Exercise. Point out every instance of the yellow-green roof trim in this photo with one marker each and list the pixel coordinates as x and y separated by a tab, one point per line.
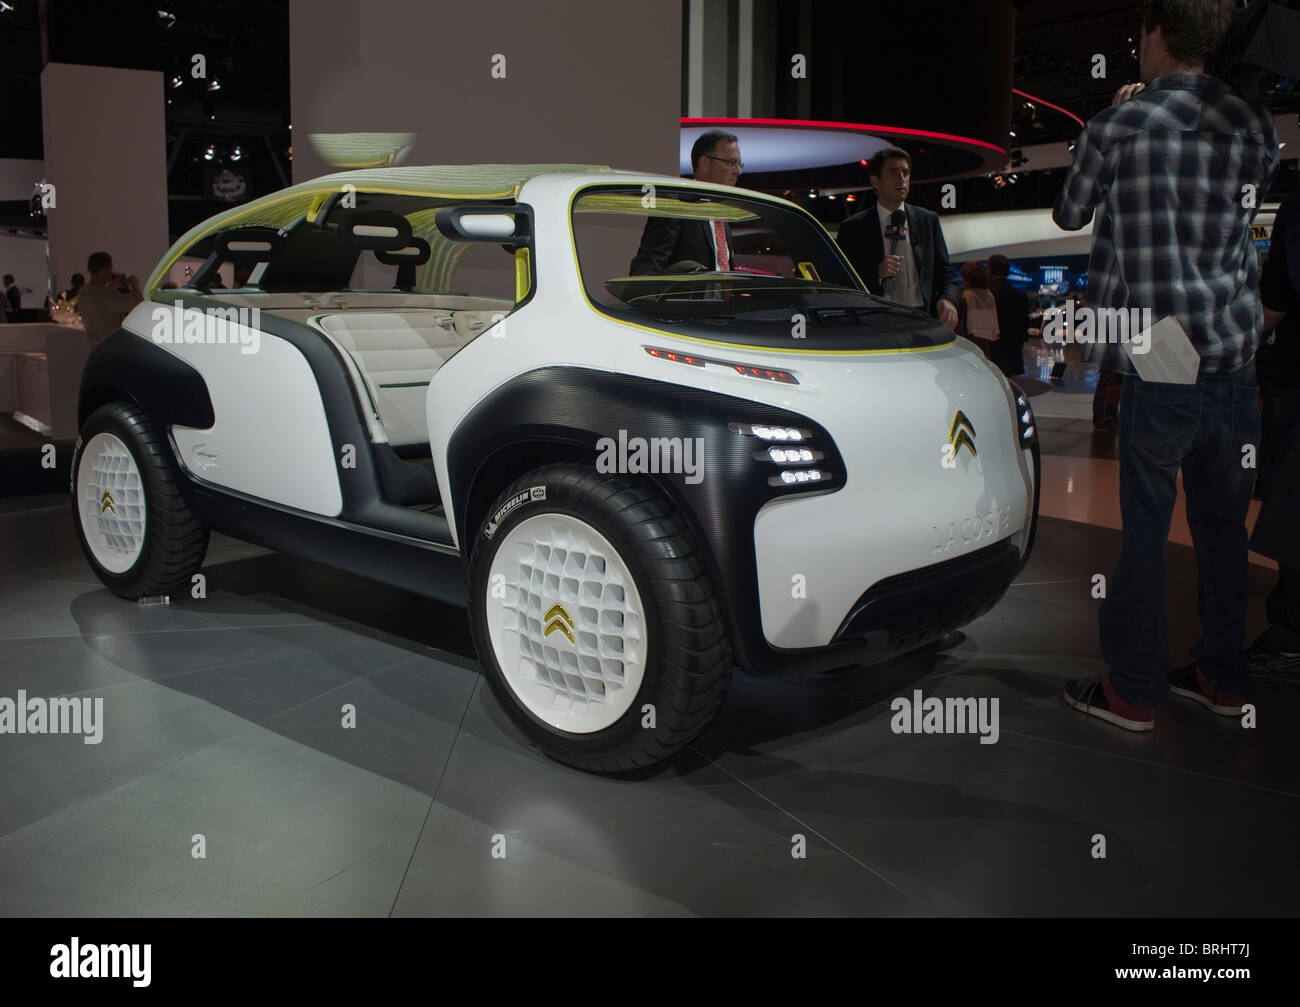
279	209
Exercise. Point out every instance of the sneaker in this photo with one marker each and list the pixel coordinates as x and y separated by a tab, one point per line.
1095	697
1190	681
1276	664
1267	660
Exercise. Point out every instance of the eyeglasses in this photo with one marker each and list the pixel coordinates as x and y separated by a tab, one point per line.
730	162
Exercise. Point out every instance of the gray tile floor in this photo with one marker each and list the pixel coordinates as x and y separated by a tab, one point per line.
222	719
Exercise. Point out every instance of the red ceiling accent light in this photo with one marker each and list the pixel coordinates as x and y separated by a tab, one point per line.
1047	104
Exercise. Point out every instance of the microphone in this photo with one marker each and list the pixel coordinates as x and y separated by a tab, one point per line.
895	240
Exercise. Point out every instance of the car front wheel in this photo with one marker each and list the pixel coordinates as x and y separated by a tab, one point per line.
595	619
136	529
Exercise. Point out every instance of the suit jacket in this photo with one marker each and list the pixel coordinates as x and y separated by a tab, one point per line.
667	240
864	246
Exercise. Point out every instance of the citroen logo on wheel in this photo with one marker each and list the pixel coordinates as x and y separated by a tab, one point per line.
962	434
106	502
559	621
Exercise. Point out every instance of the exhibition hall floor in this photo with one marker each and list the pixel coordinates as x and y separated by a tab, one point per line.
222	720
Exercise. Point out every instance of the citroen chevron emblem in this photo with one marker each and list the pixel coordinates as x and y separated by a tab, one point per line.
106	502
963	430
558	620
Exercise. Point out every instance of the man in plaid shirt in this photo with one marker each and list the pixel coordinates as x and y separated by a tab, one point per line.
1174	171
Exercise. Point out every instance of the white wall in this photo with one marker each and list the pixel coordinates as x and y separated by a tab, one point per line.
104	153
587	82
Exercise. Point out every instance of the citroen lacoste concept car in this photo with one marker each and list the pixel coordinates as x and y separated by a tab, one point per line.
508	387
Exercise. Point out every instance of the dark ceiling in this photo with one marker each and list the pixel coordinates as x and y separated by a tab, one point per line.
246	43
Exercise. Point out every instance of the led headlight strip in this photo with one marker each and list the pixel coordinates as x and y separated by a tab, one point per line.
1025	419
787	446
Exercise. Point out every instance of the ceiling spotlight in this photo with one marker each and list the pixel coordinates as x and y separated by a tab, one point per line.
237	153
214	84
5	8
830	195
1013	133
850	198
210	153
166	19
812	193
177	80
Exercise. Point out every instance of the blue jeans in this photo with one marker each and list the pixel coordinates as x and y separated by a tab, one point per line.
1204	428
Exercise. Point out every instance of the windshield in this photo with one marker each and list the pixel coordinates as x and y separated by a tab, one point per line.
729	267
676	252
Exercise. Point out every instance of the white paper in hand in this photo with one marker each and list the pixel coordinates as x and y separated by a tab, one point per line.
1170	358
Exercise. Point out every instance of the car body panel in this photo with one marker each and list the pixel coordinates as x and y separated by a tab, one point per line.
796	567
272	389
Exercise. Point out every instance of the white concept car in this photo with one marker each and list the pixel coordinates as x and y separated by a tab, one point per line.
523	389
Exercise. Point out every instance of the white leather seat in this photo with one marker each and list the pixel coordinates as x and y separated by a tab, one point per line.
398	352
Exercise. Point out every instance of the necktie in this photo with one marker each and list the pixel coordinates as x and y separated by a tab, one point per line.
724	253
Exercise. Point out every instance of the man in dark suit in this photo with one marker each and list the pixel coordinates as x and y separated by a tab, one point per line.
672	244
914	269
1007	351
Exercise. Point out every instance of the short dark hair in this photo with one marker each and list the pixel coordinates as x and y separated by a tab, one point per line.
78	278
97	261
707	143
973	275
1192	29
876	166
999	265
9	278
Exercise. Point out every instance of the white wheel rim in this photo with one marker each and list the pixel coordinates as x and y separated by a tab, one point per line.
110	503
554	576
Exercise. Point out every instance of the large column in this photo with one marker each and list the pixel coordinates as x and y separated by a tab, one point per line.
104	154
510	81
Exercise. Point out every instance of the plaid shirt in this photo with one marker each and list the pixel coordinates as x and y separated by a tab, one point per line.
1166	171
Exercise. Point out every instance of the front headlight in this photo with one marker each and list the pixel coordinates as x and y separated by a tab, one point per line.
787	448
1025	421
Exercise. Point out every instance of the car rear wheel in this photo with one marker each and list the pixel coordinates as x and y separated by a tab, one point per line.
135	528
595	620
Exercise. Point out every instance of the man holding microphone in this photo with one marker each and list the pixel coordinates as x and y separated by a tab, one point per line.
898	249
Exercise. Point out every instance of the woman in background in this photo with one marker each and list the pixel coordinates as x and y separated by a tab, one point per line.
977	309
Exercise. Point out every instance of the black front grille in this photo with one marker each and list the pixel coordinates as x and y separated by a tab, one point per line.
912	609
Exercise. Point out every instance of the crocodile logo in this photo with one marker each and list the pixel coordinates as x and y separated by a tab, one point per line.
559	621
106	502
962	434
